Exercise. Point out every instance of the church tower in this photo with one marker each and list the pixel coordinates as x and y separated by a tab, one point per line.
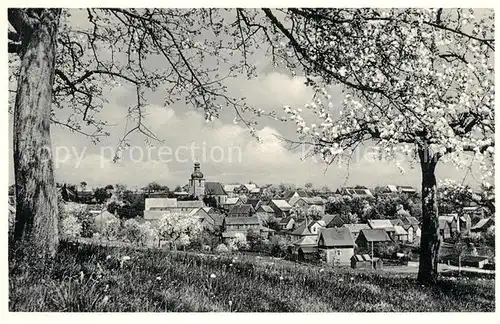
197	182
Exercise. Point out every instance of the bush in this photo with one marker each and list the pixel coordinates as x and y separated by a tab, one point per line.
108	227
70	227
221	248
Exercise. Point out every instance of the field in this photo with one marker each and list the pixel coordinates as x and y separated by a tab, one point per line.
86	278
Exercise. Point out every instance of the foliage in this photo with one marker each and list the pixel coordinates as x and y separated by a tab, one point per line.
113	207
70	227
108	227
101	195
239	242
89	278
178	228
315	212
221	248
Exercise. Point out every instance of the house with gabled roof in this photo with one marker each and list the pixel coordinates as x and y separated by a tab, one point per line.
384	224
293	195
307	228
304	203
355	229
231	190
287	223
367	237
305	247
412	226
354	192
390	189
483	225
336	246
255	202
449	225
280	207
407	189
230	202
156	208
243	210
241	224
400	234
336	220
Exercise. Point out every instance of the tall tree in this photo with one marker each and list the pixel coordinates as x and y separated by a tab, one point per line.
36	199
418	82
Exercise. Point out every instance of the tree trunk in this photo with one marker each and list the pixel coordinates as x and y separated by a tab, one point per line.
36	195
430	239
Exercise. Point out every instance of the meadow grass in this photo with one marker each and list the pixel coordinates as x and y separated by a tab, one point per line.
86	278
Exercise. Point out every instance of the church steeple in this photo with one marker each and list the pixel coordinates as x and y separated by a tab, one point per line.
197	182
197	173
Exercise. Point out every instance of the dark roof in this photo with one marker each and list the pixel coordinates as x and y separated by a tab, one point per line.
266	208
253	202
242	220
375	235
396	221
285	220
410	220
335	220
302	229
335	237
242	209
300	192
214	188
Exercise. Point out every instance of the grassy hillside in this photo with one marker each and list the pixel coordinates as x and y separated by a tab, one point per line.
94	278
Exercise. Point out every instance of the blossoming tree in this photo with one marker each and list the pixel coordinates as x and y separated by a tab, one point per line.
178	228
417	82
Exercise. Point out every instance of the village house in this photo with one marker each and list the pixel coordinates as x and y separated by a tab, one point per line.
407	189
390	189
231	190
336	246
368	238
448	225
384	224
333	221
400	234
230	202
475	212
465	223
246	189
355	229
243	210
483	225
156	208
280	207
241	224
411	225
307	228
255	193
293	195
306	247
287	224
209	220
255	202
355	192
304	203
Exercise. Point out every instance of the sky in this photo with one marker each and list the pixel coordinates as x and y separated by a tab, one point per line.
227	152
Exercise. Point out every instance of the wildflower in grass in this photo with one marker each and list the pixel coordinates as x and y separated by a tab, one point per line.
125	258
158	278
82	276
213	276
321	270
281	278
341	280
352	278
105	300
230	264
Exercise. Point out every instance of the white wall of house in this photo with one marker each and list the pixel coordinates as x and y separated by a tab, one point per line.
338	256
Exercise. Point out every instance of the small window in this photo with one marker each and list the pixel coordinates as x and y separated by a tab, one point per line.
338	252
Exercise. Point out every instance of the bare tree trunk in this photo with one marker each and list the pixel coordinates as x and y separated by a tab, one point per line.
36	195
430	239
